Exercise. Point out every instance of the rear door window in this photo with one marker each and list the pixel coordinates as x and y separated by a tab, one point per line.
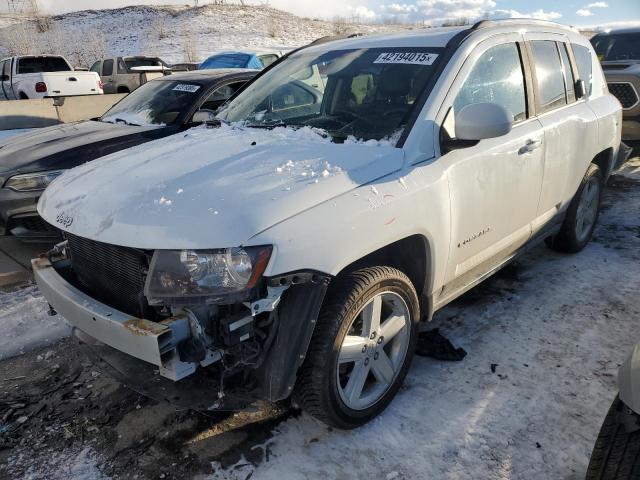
583	60
122	67
496	77
549	75
107	68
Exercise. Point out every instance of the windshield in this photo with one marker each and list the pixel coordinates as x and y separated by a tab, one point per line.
157	102
618	46
229	60
365	93
42	65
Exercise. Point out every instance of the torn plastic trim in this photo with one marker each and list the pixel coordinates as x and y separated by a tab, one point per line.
152	342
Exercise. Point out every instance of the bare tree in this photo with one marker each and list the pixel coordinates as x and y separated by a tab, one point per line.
159	26
340	25
189	48
18	39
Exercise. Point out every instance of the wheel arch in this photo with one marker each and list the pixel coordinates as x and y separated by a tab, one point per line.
412	256
604	161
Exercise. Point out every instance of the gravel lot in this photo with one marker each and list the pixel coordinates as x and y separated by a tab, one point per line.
554	327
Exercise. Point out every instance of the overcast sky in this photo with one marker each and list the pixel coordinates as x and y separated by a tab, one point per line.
573	12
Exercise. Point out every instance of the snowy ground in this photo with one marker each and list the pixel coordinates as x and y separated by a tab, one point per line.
556	327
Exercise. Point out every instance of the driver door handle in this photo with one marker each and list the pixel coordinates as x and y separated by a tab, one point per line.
530	146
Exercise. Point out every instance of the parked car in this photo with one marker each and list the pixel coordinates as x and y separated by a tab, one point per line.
294	249
619	53
158	109
33	77
125	74
184	67
253	60
615	453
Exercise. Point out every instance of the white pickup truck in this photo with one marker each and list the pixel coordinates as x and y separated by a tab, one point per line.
30	77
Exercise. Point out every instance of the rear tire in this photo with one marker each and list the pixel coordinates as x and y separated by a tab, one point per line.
352	372
582	214
616	454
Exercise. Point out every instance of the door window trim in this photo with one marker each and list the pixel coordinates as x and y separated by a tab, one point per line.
555	38
454	90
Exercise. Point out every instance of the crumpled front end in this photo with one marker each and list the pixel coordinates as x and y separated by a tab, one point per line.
218	353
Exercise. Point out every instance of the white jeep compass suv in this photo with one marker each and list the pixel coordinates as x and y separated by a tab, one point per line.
349	191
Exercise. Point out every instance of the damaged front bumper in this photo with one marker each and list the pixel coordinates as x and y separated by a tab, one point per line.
145	355
151	342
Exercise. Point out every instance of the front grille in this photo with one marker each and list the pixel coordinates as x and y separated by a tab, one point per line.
625	93
33	223
112	274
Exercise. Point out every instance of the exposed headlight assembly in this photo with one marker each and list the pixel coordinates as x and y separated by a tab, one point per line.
31	182
205	273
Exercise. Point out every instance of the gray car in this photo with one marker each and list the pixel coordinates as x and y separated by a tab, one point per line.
125	74
619	53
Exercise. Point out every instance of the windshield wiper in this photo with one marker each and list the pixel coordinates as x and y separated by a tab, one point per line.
267	126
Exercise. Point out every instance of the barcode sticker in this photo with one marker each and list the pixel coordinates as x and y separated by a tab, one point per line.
184	87
407	58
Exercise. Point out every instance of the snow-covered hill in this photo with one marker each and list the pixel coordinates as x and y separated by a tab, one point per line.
176	32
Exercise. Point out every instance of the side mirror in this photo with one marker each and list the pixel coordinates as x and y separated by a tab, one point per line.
4	78
478	121
204	116
581	89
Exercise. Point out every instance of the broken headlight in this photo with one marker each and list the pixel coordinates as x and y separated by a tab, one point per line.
200	273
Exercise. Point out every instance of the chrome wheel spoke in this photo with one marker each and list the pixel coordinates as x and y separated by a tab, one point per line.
357	379
391	327
353	349
382	368
371	316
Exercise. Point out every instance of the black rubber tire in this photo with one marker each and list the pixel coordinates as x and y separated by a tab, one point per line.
616	454
316	391
566	240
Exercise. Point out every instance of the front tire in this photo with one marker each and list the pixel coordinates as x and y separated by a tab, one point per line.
582	214
361	348
616	454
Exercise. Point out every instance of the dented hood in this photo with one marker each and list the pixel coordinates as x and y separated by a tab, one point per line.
209	188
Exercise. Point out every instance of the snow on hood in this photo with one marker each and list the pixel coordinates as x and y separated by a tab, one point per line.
209	188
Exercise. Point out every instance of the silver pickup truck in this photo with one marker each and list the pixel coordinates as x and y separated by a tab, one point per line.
619	54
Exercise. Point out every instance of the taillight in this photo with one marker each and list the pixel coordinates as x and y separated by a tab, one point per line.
41	87
100	85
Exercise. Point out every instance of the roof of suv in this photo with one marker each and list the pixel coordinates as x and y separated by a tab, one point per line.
440	36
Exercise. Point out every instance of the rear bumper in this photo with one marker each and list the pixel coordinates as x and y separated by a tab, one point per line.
151	342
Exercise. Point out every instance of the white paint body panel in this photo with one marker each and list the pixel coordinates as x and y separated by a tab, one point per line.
214	189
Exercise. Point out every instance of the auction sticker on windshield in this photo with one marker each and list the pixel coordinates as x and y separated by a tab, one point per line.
184	87
410	58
